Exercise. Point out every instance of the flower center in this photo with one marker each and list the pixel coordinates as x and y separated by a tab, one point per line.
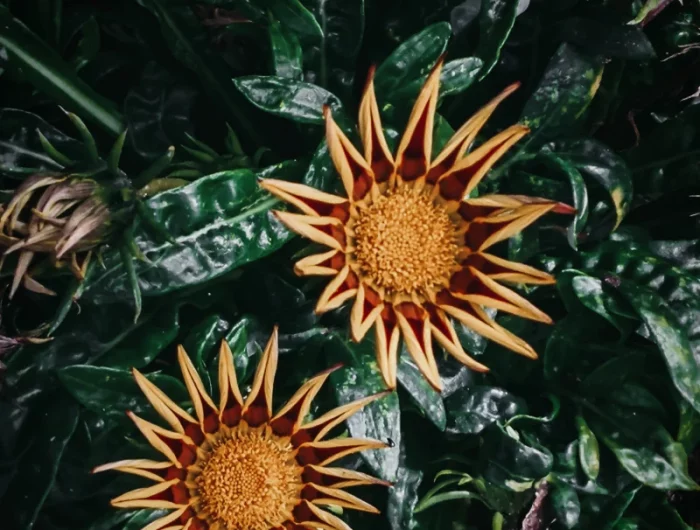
249	480
405	242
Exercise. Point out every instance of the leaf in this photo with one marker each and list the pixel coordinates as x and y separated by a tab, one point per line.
294	100
403	498
188	41
333	61
53	427
380	420
588	450
596	161
598	37
565	503
46	70
158	112
20	145
286	52
428	400
296	17
646	9
471	410
569	84
411	60
218	223
204	338
496	20
456	77
668	335
111	392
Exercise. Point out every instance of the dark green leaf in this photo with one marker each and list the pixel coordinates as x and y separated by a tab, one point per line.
46	70
380	420
588	450
669	337
296	17
472	409
608	40
403	498
428	400
496	20
566	504
286	52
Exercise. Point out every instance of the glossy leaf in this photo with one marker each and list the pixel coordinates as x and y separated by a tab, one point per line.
286	51
566	505
605	39
588	450
380	420
669	337
296	17
46	70
428	400
472	409
218	223
411	60
403	498
496	20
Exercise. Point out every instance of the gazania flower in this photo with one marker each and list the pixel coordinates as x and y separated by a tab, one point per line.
408	244
239	467
67	218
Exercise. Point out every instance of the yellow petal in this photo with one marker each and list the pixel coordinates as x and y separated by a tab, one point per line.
141	498
365	312
338	291
153	432
377	152
165	406
336	497
228	383
387	333
317	229
195	387
309	200
139	467
159	524
443	330
340	477
319	264
324	452
258	406
419	342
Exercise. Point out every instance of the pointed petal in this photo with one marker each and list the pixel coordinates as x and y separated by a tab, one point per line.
25	258
176	447
415	328
415	149
338	291
325	264
166	407
377	151
387	334
230	398
206	411
32	285
489	205
339	477
354	171
314	518
365	311
288	420
470	284
320	427
444	332
156	496
468	172
487	231
258	406
324	452
326	231
472	316
160	524
508	271
464	137
149	469
324	496
309	200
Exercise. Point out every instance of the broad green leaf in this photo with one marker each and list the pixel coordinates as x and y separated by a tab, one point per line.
456	77
295	100
428	400
565	91
332	61
217	223
20	146
295	16
141	347
472	409
588	450
53	425
605	39
566	505
689	426
202	342
286	51
188	41
598	162
380	420
111	392
496	20
48	72
411	60
671	339
403	498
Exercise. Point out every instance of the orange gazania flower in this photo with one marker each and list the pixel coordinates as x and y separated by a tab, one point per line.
407	245
238	466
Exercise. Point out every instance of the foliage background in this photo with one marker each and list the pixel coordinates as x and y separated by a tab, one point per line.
604	427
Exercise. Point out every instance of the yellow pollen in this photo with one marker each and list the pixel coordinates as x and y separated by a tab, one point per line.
249	480
405	243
